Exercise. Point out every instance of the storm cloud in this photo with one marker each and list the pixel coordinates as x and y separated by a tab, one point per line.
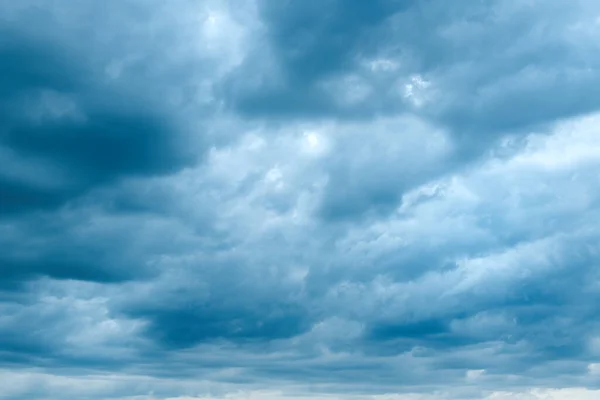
393	200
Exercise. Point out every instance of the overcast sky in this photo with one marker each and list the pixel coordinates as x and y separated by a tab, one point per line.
299	199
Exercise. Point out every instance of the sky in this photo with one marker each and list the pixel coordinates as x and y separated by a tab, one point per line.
299	199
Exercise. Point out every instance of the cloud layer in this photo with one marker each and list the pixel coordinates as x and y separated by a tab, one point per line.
299	199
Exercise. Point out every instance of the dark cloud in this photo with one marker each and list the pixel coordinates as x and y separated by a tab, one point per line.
62	119
483	63
315	39
70	129
471	69
311	41
87	249
180	328
308	42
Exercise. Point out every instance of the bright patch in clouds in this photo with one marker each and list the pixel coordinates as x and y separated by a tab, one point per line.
314	143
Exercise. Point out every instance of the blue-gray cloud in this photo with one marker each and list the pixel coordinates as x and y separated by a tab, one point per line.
314	198
76	135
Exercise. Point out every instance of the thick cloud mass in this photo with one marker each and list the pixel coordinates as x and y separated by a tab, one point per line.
385	200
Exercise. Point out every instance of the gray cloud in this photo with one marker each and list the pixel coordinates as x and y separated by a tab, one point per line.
314	199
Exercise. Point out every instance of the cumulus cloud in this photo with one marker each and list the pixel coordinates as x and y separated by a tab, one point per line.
319	199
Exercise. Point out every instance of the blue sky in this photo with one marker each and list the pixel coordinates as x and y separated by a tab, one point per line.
317	199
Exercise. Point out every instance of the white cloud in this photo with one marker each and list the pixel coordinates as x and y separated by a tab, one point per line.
547	394
474	374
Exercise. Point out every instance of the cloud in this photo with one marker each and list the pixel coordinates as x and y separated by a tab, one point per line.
78	109
326	200
472	68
